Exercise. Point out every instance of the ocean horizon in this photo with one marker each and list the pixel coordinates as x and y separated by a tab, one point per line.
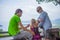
4	27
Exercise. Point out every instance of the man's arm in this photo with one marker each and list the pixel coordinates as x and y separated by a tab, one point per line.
42	17
40	20
20	24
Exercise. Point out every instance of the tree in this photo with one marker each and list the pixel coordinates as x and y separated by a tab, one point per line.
40	1
55	2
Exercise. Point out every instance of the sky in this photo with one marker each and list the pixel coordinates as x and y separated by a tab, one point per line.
8	7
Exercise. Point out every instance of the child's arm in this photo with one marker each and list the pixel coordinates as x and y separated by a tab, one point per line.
31	29
27	26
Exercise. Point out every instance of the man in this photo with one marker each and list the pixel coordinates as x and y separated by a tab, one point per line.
44	21
14	29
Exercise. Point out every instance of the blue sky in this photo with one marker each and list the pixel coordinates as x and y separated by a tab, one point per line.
8	7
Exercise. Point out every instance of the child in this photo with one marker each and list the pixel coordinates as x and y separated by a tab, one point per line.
34	28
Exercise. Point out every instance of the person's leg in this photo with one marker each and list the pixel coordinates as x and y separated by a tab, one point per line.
47	36
23	34
28	35
19	36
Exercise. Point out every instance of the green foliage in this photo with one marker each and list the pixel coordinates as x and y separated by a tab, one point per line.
55	2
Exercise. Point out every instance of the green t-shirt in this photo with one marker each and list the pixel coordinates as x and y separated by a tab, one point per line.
13	28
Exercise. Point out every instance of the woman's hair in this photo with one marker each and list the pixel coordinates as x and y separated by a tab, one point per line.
18	10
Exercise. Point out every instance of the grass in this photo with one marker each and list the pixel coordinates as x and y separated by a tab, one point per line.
1	35
4	35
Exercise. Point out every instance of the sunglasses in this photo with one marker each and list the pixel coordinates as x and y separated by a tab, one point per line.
37	10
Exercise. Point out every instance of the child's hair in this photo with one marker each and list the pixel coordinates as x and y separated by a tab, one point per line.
33	21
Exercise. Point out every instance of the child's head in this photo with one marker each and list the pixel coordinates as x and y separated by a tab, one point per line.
33	21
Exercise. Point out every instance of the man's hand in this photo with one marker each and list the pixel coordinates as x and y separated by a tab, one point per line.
40	20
